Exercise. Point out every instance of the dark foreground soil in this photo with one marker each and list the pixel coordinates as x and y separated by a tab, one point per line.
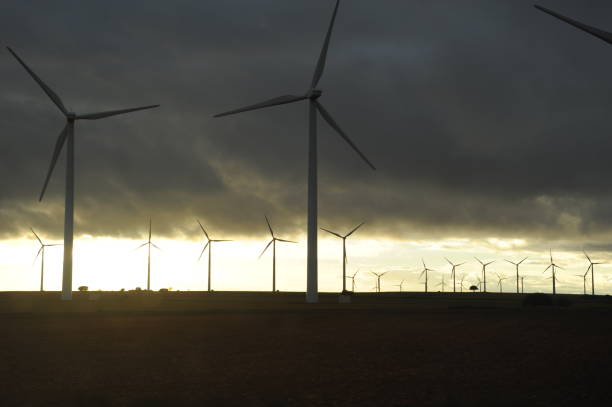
396	356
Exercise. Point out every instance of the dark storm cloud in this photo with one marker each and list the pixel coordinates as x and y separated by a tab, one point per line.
484	118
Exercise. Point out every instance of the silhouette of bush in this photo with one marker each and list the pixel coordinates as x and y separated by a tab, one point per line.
537	300
83	288
473	288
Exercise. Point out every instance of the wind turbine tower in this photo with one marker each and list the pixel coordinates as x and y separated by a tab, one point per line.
517	272
273	243
41	251
148	243
484	273
344	258
425	273
209	245
67	135
592	268
554	274
453	274
312	95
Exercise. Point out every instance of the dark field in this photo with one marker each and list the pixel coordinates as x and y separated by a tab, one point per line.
174	349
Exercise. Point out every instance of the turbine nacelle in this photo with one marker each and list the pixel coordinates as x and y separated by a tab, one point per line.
314	94
71	116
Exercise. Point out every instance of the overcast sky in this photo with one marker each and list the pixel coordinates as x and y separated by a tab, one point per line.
484	118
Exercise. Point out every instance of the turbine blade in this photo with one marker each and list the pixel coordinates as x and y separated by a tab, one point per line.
61	139
52	95
37	254
587	256
353	231
269	227
546	269
602	35
286	241
203	250
42	244
102	115
333	233
142	245
342	134
264	250
479	260
449	262
203	230
222	240
154	245
523	260
323	56
281	100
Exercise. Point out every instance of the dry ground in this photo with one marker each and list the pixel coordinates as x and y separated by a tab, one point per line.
396	351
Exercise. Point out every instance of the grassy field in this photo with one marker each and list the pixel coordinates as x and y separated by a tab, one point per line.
271	349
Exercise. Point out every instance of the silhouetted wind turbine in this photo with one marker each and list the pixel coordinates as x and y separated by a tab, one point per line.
42	259
378	276
208	244
353	280
583	277
484	273
500	280
479	283
554	278
517	272
273	243
148	243
425	272
602	35
400	285
441	283
454	266
312	95
461	282
592	267
344	258
522	284
67	134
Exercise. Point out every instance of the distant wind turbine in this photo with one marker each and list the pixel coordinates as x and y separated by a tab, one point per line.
400	285
378	276
148	243
208	245
592	267
522	284
312	95
584	279
461	282
273	243
42	258
554	275
344	258
67	134
484	273
454	266
517	272
441	283
500	281
353	280
425	272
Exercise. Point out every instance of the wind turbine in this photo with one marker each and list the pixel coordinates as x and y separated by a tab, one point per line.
479	283
517	272
500	280
312	95
273	243
602	35
425	272
484	273
454	266
400	285
461	282
148	243
67	134
208	244
441	283
378	276
353	280
42	259
554	275
344	258
583	277
592	267
522	284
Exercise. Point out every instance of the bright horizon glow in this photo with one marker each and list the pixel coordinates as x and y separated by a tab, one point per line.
109	264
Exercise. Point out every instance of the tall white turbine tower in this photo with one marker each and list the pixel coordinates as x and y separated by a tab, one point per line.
517	272
149	244
315	108
344	258
484	273
67	135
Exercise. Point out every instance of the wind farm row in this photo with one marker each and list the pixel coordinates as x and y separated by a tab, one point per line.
448	277
312	95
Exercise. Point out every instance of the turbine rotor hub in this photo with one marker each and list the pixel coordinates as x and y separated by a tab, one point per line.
71	116
314	94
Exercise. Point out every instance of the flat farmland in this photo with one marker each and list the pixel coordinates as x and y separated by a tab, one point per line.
263	349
